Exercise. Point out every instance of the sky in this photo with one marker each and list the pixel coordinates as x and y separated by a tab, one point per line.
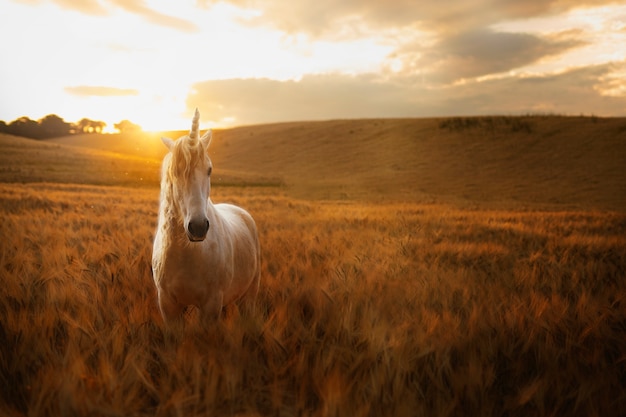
257	61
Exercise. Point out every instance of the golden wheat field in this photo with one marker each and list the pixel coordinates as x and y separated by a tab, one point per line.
364	310
464	266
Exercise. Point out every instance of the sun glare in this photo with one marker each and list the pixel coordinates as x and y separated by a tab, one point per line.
159	124
109	129
160	63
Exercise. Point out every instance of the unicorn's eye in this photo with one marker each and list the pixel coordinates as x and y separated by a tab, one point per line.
209	171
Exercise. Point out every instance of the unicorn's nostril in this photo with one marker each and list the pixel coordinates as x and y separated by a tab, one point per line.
197	229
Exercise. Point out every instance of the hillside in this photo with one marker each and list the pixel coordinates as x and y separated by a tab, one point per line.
528	160
96	159
535	160
142	144
29	160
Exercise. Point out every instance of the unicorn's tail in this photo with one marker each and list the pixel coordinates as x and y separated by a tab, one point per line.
195	123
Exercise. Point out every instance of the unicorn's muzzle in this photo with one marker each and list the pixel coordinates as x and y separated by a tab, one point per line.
197	229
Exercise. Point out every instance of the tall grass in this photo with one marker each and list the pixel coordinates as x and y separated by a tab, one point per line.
513	124
364	310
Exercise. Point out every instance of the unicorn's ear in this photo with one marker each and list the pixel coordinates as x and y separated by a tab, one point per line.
168	142
206	138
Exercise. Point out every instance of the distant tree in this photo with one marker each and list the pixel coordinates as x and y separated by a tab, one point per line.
24	126
126	126
98	126
90	126
83	126
53	126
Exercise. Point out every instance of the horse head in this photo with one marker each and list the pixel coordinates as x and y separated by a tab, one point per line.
189	176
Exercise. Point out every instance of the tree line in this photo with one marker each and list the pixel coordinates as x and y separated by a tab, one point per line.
52	126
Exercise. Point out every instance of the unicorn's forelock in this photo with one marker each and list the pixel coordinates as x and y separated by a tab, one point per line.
186	155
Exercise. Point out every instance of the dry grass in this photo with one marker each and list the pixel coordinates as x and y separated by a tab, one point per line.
418	308
364	310
28	160
119	160
539	161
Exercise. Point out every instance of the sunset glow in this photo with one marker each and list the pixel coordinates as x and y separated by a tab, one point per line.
154	61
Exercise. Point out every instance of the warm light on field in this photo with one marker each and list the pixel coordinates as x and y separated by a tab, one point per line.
385	309
471	266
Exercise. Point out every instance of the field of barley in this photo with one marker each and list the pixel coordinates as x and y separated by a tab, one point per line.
427	307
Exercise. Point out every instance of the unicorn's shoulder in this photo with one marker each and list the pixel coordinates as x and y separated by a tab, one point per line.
231	210
237	218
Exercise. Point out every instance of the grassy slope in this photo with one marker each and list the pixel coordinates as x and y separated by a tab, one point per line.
27	160
576	161
142	144
96	159
564	161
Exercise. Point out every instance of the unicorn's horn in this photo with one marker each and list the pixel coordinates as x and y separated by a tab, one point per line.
193	133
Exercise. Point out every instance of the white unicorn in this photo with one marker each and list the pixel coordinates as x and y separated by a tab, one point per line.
204	254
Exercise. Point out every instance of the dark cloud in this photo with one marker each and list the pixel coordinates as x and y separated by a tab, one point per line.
482	52
99	91
333	96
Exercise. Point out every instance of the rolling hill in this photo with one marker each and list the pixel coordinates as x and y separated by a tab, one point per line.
141	144
520	161
574	161
29	160
95	159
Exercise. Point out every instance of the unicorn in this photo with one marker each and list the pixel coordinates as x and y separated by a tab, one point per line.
204	254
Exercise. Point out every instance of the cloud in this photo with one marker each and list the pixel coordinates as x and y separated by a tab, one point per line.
480	52
138	7
333	96
574	91
99	91
92	7
441	44
85	6
326	18
313	97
